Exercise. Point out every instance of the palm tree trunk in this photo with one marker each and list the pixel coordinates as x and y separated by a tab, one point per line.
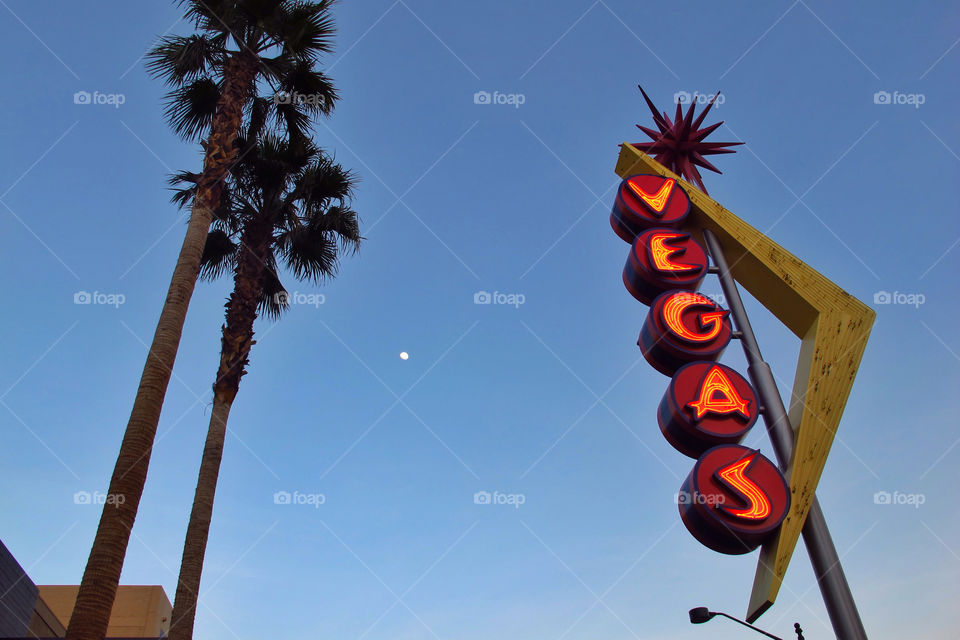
188	585
236	341
98	588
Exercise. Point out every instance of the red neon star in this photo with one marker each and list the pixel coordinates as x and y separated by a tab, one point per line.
679	145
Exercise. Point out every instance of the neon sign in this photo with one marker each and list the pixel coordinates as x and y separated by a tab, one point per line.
706	405
718	395
658	201
737	498
683	327
733	475
708	324
661	260
646	201
734	497
661	254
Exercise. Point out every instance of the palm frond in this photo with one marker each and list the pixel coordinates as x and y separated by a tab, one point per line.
305	29
294	120
344	223
219	253
180	59
184	185
309	89
310	252
273	69
219	16
274	298
324	183
190	109
259	112
273	164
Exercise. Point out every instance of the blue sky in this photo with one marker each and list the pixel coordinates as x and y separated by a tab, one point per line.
551	399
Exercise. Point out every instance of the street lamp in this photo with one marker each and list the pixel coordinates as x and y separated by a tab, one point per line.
699	615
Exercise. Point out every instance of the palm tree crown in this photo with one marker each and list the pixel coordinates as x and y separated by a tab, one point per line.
282	40
296	200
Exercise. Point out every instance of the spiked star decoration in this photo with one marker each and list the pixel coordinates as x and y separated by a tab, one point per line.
679	145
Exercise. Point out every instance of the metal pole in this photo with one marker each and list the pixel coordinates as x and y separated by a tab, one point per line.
823	554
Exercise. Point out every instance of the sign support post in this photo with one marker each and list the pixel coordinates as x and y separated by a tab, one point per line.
823	554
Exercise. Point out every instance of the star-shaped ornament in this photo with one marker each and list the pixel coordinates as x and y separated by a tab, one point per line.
679	144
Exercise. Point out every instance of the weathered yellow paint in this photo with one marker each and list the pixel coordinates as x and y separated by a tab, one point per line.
833	327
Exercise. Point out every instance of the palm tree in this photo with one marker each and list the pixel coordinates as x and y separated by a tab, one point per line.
287	203
214	75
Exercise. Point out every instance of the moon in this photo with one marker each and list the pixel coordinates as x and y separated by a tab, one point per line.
404	355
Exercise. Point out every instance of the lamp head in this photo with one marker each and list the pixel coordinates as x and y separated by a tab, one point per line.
699	615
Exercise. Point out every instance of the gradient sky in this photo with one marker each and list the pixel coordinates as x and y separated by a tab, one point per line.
551	400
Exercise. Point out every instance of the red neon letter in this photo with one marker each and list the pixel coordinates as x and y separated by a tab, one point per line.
711	322
657	201
660	253
718	395
758	505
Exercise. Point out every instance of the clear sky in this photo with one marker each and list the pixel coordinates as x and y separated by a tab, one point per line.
550	400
